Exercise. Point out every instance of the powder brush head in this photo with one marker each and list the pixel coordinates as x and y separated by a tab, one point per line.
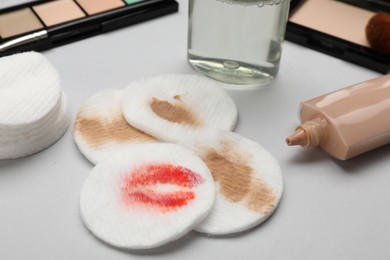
378	33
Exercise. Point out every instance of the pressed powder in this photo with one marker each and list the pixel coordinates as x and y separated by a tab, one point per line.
97	6
334	18
59	11
18	22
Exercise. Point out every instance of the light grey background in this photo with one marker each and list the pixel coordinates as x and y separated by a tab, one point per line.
330	209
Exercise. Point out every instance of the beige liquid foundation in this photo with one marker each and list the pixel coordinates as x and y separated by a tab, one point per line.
346	122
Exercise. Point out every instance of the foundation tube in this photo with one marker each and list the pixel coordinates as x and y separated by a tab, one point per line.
346	122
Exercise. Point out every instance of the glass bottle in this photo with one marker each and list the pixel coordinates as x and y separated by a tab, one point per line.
237	41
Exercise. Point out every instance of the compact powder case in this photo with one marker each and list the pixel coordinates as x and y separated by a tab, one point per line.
337	28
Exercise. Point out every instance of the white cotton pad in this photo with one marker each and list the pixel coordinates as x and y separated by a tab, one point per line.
33	108
100	127
49	133
29	89
248	179
146	195
174	107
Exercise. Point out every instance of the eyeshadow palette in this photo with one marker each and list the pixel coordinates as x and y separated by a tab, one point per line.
41	25
337	28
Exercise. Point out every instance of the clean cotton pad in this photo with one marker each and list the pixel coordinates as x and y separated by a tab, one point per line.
33	109
172	107
146	195
29	89
100	127
46	135
248	179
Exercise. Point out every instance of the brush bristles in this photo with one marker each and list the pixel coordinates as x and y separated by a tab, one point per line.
378	33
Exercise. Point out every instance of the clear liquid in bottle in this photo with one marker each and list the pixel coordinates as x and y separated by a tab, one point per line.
237	42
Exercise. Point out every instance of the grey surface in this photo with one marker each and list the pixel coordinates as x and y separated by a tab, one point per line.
330	209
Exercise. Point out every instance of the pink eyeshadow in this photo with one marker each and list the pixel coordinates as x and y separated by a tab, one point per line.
98	6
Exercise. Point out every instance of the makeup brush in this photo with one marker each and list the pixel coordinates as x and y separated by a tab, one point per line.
378	33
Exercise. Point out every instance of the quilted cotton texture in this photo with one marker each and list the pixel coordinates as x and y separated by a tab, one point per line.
34	110
145	196
248	179
173	107
101	128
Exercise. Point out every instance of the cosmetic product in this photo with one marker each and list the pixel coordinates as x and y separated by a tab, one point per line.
378	32
100	127
237	42
174	107
41	25
248	180
145	196
347	122
338	28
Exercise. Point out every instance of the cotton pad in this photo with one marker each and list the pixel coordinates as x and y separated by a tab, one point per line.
29	89
144	196
100	127
174	107
33	108
43	137
248	179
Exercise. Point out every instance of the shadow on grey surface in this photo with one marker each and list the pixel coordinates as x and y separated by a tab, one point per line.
354	165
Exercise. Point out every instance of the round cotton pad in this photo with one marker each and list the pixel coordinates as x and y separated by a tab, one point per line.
146	195
100	127
248	178
172	107
29	89
41	138
33	108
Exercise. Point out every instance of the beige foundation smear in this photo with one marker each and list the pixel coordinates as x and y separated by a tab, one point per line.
334	18
100	127
174	112
248	179
174	107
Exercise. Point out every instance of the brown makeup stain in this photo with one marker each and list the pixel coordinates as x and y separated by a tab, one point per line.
175	113
260	198
230	167
98	131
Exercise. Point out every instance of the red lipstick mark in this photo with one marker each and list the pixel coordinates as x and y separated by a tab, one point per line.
162	186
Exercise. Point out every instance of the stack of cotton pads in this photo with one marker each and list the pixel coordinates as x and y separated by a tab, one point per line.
167	163
33	108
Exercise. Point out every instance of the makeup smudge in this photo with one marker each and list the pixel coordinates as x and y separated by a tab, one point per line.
175	113
161	186
98	131
230	167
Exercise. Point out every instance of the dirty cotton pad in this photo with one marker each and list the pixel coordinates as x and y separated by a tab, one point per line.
248	179
146	195
173	106
100	127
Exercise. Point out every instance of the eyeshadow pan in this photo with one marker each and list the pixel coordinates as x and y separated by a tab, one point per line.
18	22
98	6
129	2
334	18
59	11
